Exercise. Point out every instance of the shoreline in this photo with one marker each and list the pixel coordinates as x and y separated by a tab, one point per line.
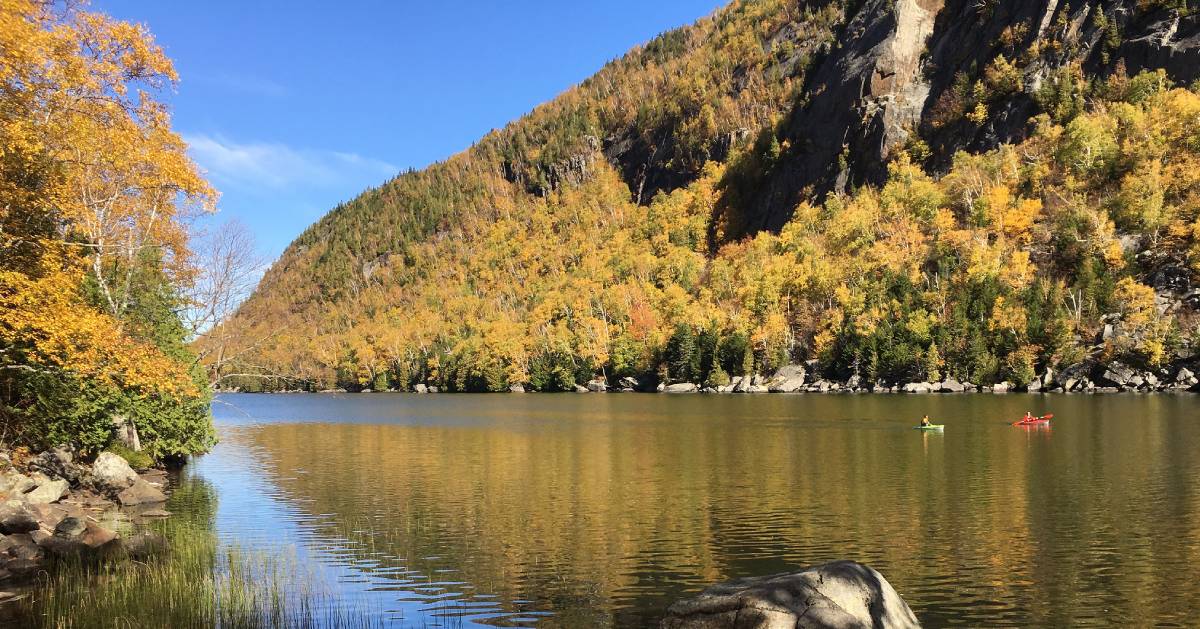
1091	376
982	391
55	508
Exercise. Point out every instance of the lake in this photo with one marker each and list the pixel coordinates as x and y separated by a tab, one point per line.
601	509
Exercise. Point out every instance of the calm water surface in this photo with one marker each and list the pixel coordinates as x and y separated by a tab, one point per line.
599	510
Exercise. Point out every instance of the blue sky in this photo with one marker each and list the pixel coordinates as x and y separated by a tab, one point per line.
292	107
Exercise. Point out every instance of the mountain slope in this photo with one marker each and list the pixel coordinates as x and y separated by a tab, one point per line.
612	231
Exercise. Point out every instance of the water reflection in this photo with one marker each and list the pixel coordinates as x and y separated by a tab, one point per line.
599	510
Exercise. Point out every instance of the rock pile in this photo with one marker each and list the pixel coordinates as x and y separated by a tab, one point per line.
55	506
1085	377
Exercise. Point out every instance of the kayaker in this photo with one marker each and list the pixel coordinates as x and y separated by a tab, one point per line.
925	421
1028	417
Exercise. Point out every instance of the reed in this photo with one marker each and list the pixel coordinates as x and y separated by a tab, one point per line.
199	583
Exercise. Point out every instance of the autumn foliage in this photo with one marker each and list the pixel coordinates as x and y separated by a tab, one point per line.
94	185
1010	262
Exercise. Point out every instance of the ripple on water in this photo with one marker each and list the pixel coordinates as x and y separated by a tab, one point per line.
600	510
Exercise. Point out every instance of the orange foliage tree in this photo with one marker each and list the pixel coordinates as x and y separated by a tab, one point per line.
94	186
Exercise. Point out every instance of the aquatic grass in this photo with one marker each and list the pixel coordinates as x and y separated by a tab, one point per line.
198	583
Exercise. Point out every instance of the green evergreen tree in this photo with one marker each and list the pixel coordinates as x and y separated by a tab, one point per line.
932	365
681	356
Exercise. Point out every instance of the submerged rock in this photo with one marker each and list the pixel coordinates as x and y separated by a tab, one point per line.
842	594
140	492
145	544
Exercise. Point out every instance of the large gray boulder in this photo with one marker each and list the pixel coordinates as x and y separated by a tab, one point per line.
111	472
1120	374
838	595
950	385
789	379
682	387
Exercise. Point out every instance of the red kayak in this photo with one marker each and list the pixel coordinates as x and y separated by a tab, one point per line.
1036	421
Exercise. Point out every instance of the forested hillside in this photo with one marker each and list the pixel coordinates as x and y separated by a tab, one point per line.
898	189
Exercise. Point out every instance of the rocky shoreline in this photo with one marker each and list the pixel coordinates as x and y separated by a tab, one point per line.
1085	377
55	507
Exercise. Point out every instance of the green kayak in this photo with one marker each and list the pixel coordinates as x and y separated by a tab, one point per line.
933	427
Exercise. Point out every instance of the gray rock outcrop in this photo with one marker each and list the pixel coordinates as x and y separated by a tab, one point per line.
838	595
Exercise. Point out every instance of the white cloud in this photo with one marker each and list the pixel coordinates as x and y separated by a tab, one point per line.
277	166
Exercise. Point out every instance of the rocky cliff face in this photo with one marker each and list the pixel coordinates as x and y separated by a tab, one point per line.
905	71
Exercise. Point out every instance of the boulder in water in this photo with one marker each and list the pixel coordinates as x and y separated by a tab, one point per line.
842	594
140	492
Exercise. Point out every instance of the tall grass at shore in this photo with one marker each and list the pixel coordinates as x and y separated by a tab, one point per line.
198	583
